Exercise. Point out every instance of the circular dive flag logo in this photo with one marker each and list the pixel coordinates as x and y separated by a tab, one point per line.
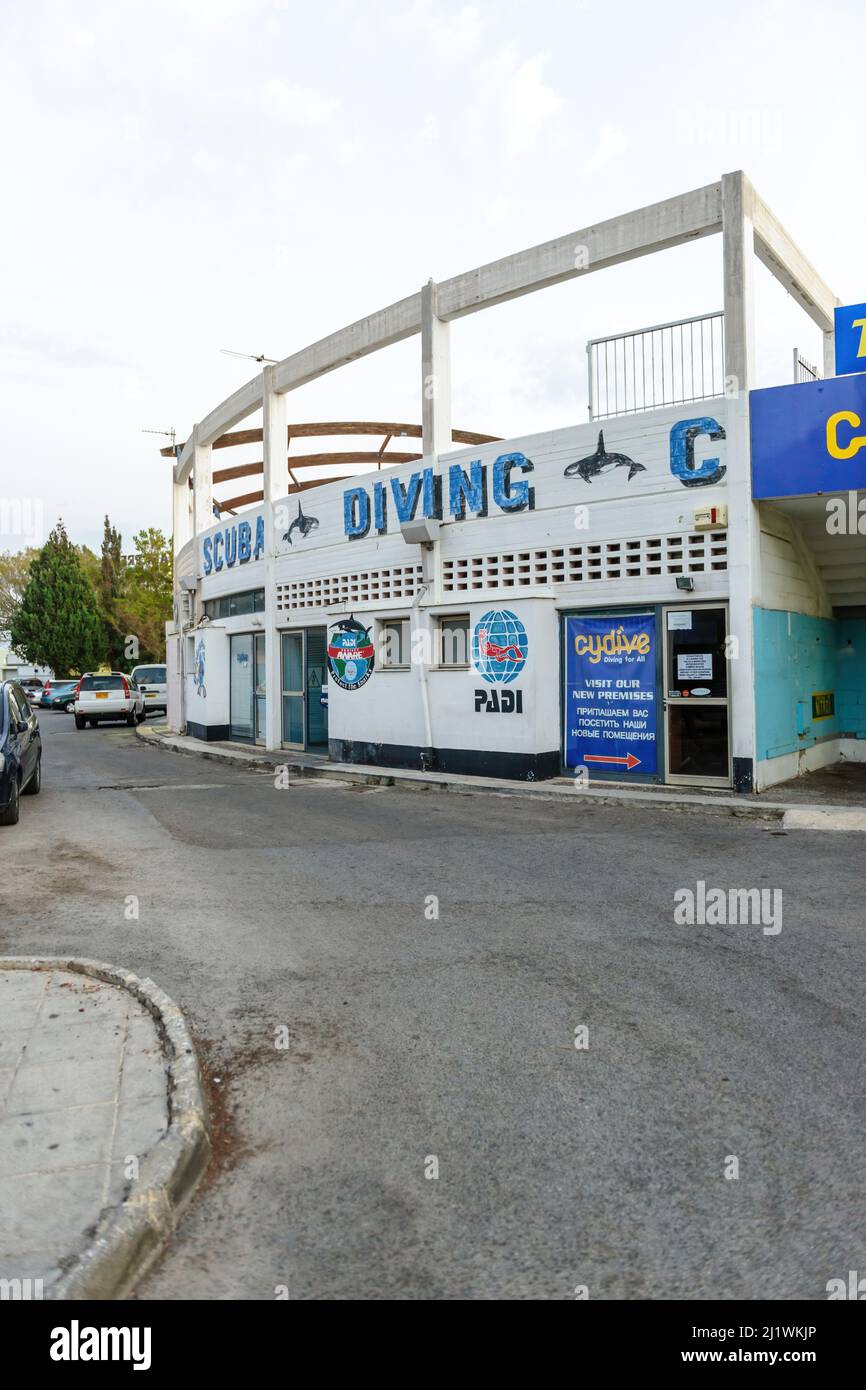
350	654
499	646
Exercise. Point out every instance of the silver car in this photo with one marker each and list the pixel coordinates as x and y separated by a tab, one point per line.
152	680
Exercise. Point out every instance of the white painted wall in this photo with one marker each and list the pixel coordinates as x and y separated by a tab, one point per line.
611	510
653	501
212	707
388	709
789	579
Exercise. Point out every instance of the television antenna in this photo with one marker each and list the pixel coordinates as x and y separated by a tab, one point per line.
253	356
167	434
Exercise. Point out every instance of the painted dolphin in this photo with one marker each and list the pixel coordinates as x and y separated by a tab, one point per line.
304	524
601	462
351	624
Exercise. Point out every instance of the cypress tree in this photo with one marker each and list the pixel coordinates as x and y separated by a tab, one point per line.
111	581
58	622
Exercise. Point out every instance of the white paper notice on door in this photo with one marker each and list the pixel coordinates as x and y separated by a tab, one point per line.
694	666
679	622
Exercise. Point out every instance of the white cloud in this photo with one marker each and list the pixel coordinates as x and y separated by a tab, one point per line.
211	14
525	101
498	210
611	144
347	151
460	33
81	38
177	63
301	105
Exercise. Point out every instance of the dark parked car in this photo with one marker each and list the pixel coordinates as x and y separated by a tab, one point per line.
20	751
59	695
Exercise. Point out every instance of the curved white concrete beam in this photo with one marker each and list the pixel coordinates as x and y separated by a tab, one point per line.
655	228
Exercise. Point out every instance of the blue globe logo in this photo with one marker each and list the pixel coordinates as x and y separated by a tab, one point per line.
499	646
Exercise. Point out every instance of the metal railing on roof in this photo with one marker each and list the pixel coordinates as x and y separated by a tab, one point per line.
646	368
803	370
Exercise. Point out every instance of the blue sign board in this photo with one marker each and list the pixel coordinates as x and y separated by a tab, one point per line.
809	438
610	693
850	325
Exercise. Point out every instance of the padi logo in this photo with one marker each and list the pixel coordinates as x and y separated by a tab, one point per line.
234	545
76	1343
615	642
350	654
491	702
499	646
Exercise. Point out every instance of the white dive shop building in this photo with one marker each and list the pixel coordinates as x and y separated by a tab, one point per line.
586	598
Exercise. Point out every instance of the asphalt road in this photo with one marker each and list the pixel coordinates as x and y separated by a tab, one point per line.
303	916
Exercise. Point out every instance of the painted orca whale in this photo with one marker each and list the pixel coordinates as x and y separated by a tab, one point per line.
351	624
602	462
304	524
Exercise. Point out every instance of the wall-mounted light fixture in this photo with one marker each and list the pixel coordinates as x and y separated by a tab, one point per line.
685	582
423	531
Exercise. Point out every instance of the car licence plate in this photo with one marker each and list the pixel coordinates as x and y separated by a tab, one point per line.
102	694
151	694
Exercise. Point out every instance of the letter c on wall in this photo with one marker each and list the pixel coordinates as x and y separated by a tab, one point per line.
683	436
857	441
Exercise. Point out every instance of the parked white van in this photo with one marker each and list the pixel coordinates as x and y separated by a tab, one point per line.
153	682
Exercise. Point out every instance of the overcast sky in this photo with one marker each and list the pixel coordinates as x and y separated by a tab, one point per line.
181	176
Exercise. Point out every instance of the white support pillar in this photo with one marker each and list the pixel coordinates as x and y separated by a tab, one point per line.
436	376
202	485
829	353
275	484
738	246
181	514
435	408
182	534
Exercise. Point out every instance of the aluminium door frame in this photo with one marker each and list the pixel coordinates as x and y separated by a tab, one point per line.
677	779
235	738
302	693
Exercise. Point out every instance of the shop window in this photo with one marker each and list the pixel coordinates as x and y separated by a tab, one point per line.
452	640
236	605
394	640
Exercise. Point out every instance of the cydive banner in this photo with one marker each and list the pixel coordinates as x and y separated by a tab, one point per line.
610	693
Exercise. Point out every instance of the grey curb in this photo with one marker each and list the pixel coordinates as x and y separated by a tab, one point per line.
130	1236
408	779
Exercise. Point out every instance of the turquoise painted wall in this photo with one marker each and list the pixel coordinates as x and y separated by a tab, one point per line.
851	676
794	656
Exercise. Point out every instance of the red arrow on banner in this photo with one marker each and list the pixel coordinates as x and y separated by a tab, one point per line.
630	761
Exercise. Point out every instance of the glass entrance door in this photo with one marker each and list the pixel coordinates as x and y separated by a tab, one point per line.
242	720
259	686
293	689
696	696
317	677
247	687
304	676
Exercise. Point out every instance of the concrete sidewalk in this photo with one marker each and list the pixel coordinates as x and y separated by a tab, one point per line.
86	1082
787	814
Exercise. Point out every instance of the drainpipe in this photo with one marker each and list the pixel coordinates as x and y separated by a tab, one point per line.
422	675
